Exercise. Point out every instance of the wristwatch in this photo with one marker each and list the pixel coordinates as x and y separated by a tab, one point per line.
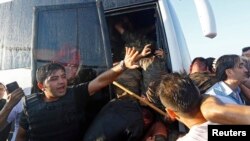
122	65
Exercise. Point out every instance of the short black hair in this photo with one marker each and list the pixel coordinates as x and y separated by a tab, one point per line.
178	92
210	61
46	70
223	63
245	49
138	41
201	59
203	80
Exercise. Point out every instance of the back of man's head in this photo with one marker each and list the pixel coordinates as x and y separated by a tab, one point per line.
201	59
177	92
139	41
246	51
223	63
198	64
203	80
45	71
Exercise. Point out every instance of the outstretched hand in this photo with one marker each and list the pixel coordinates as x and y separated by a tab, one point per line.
130	59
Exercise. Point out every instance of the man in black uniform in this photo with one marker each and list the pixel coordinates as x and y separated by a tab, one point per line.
59	112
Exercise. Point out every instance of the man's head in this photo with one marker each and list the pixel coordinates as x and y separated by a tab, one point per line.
52	80
203	80
139	41
179	95
246	51
230	67
198	64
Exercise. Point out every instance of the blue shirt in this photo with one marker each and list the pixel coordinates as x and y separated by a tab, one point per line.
222	91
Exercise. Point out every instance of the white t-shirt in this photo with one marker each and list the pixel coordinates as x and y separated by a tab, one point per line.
197	133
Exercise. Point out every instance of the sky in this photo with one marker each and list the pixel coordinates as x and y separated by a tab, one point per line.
232	23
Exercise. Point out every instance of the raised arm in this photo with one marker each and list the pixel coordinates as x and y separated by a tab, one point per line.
110	75
218	112
13	99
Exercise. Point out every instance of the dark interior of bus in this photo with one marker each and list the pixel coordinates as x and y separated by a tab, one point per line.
136	21
144	19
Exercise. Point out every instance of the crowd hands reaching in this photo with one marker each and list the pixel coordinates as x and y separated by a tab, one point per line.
59	111
228	72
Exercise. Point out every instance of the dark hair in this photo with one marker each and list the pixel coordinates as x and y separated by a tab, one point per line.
201	59
179	93
223	63
203	80
245	49
46	70
138	41
210	61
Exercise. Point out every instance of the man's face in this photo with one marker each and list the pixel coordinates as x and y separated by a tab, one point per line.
246	53
55	85
239	72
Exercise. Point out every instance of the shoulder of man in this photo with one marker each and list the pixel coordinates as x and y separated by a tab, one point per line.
30	100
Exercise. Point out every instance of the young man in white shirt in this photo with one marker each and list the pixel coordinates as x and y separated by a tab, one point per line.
182	100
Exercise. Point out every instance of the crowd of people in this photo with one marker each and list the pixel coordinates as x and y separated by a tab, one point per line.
59	112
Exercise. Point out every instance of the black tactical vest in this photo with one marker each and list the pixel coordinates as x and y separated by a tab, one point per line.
58	120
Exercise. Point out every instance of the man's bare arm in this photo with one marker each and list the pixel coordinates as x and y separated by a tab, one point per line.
110	75
216	111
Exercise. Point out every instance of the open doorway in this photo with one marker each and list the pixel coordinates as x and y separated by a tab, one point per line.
143	21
